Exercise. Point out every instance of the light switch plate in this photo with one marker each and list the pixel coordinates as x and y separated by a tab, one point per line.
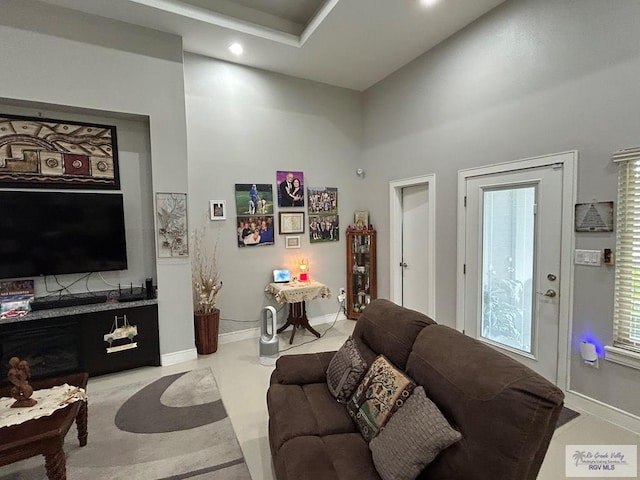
591	258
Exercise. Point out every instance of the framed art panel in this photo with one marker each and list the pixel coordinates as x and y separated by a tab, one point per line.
39	152
172	235
291	222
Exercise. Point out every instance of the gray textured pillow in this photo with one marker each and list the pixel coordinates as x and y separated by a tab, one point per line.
346	369
412	439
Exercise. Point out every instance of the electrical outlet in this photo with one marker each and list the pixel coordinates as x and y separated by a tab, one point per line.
342	295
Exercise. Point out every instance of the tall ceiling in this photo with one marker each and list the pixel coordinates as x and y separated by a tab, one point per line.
346	43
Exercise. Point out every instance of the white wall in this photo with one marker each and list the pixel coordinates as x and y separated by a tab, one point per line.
244	125
84	64
533	77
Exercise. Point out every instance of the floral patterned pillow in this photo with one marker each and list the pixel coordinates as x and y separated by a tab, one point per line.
382	391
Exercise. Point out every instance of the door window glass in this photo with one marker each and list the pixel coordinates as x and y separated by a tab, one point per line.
508	235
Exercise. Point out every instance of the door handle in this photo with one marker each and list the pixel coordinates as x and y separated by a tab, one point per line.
549	293
403	264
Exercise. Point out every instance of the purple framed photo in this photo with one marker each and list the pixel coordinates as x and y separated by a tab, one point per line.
290	188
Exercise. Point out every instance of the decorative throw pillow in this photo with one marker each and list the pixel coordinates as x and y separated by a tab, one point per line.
382	391
345	371
412	439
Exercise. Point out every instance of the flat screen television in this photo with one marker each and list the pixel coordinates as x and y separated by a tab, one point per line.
48	233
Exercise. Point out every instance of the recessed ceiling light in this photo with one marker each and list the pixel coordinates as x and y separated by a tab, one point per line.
236	49
428	3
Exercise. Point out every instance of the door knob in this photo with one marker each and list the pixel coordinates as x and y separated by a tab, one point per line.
551	277
403	264
549	293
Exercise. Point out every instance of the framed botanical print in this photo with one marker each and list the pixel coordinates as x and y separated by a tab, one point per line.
172	230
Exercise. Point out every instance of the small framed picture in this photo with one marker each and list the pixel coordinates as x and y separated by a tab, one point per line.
361	219
292	241
218	209
594	217
291	222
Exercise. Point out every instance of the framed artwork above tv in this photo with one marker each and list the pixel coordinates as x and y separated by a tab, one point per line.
39	152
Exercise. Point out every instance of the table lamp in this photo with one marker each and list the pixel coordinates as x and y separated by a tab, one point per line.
304	270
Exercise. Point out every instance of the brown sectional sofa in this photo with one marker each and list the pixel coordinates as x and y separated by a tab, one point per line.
506	412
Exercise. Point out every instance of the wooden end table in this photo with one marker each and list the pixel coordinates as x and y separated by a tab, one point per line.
296	294
45	435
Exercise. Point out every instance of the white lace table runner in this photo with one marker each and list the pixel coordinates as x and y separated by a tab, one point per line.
297	292
49	400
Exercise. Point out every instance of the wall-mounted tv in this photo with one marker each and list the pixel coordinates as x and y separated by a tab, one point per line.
47	233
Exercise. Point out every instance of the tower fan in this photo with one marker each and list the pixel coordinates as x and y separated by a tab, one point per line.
269	343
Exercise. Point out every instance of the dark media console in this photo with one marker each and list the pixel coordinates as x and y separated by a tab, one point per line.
72	339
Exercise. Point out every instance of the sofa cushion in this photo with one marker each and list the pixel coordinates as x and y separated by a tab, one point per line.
412	438
333	457
385	328
382	391
298	410
302	368
345	371
505	411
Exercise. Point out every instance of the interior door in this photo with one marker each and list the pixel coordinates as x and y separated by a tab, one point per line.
415	235
512	264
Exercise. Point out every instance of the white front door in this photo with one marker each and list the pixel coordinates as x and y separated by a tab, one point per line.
512	263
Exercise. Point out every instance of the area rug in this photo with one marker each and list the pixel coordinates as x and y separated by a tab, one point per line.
566	415
172	428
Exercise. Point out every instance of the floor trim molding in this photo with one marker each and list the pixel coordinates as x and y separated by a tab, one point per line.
231	337
618	417
173	358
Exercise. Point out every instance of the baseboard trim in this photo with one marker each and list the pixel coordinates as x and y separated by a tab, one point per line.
612	414
231	337
178	357
238	335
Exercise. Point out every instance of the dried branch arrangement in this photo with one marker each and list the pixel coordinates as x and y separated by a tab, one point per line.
204	270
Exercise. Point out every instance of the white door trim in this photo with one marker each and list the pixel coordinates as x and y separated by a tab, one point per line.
395	240
569	160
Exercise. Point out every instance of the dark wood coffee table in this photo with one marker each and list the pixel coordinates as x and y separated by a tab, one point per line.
45	435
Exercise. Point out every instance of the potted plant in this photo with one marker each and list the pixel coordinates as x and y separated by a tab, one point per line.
206	286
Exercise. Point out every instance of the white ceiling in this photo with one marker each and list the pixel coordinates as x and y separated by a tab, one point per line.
346	43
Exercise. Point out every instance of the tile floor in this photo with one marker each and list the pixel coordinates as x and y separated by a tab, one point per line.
243	384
